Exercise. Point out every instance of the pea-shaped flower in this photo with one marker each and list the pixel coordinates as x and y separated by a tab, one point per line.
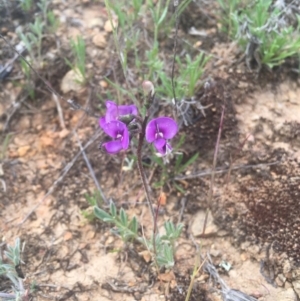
115	112
159	131
119	132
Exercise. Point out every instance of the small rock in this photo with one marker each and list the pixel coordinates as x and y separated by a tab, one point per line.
46	141
198	222
67	236
244	256
100	40
286	269
146	255
103	84
108	26
90	235
64	133
167	277
216	296
280	280
23	150
95	22
72	82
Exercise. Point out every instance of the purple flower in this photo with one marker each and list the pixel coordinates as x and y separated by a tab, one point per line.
114	112
158	131
119	132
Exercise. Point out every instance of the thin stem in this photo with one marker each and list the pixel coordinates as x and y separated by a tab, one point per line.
146	185
212	179
141	168
115	35
195	273
175	50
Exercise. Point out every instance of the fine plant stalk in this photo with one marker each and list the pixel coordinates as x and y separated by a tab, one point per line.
212	178
121	58
193	277
143	177
174	53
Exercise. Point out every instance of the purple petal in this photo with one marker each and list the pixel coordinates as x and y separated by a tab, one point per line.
113	147
114	128
151	131
159	143
164	125
111	112
125	139
167	126
102	122
165	149
127	110
114	111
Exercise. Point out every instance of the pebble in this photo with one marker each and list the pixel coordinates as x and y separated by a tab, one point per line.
67	236
71	82
198	221
64	133
100	40
103	84
108	27
23	150
95	22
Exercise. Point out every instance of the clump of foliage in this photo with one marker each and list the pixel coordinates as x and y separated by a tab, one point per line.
263	29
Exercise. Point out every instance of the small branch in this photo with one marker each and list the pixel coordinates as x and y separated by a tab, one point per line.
141	169
59	111
175	50
220	171
212	179
91	169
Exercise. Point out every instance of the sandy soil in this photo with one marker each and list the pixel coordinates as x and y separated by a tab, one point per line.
253	223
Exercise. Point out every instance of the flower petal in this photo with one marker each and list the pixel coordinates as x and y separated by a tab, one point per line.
125	139
159	143
167	126
114	128
102	122
113	147
151	131
127	110
165	149
111	112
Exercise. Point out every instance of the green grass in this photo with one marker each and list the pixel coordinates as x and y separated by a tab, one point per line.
128	230
79	52
26	5
263	24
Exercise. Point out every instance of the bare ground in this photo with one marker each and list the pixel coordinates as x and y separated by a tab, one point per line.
254	222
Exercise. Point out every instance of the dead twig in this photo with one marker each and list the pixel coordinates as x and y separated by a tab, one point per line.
220	171
59	111
212	179
91	169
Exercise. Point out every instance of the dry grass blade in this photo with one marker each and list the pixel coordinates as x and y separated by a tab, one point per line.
91	169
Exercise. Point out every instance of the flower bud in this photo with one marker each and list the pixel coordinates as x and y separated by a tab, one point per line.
148	87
